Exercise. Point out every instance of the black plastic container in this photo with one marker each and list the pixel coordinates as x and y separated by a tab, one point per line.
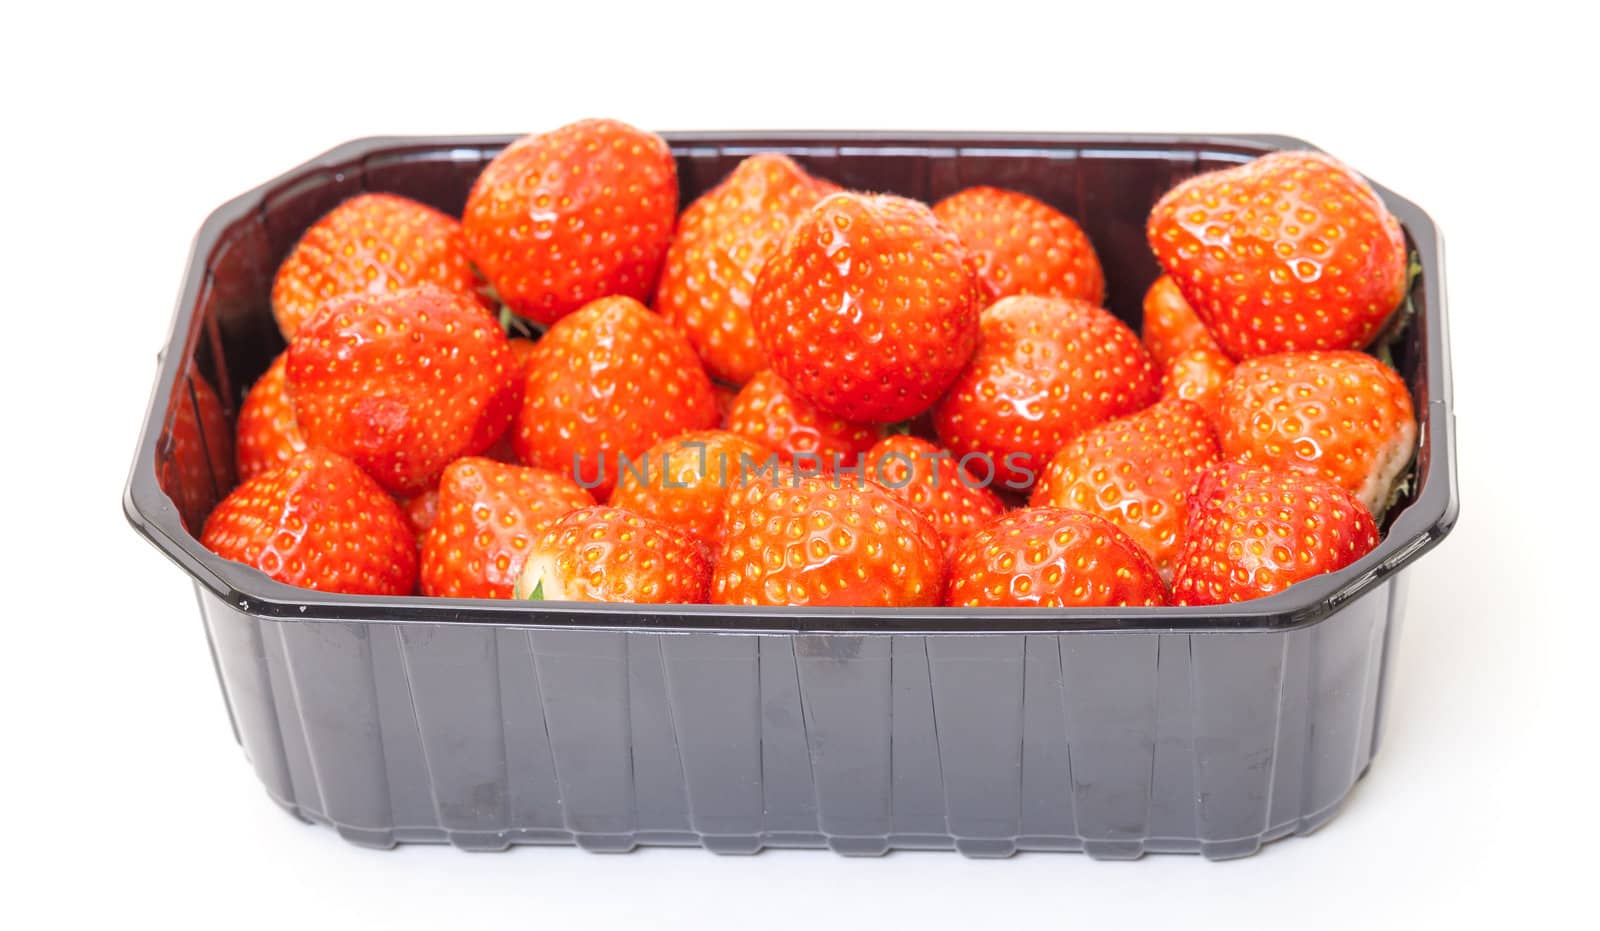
485	724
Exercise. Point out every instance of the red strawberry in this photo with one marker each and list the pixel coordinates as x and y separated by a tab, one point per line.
421	510
611	380
268	436
1171	327
402	383
1342	415
1253	532
686	479
722	241
1046	370
372	244
1136	472
1293	251
199	467
610	554
869	308
1052	558
768	411
954	500
318	522
1198	375
560	219
1025	245
502	450
812	541
489	515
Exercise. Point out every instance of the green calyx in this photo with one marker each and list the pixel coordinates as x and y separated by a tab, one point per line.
515	325
536	595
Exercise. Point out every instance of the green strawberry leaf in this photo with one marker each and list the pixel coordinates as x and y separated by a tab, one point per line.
515	325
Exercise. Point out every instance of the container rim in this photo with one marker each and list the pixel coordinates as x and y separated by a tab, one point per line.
1420	526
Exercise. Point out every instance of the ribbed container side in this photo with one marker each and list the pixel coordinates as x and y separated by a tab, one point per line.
1115	743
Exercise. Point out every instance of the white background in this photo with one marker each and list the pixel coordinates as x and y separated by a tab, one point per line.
123	792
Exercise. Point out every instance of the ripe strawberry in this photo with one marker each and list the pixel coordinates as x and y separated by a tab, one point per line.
402	383
1046	370
954	500
1136	472
1342	415
421	510
1025	245
611	380
1171	327
1052	558
199	468
811	541
686	479
489	514
1253	532
317	522
560	219
502	450
267	433
1198	375
768	411
722	241
372	244
869	308
610	554
1293	251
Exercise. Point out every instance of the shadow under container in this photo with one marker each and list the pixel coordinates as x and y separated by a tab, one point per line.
486	724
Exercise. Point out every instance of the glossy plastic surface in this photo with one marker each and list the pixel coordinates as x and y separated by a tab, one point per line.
481	723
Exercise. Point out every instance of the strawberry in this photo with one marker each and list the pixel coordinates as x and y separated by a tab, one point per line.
200	465
502	450
1293	251
317	522
489	514
869	308
1136	472
1253	532
372	244
1198	375
813	541
1047	369
610	554
609	381
684	481
560	219
421	510
928	478
1171	327
1052	558
768	411
722	241
267	433
1025	246
1342	415
402	383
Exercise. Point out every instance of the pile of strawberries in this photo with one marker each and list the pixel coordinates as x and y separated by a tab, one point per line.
794	394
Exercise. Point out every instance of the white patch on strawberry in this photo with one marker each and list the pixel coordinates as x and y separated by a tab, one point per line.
540	580
1391	463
